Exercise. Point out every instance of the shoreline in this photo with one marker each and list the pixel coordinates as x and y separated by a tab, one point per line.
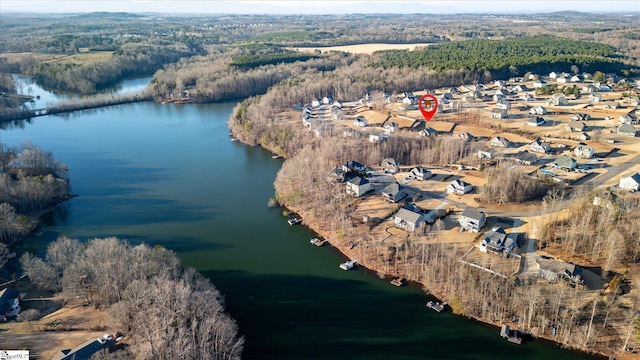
310	222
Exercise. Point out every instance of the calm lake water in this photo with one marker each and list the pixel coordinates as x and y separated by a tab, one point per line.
168	175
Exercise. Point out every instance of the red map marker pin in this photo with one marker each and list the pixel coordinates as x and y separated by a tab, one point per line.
431	106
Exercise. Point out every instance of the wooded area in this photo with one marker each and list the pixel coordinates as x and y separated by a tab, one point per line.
145	289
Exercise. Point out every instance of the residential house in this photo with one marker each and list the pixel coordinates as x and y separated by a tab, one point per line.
394	193
499	83
583	136
446	98
584	151
525	158
525	97
428	131
360	121
565	162
580	117
536	121
558	99
553	75
420	173
627	130
499	141
390	127
353	166
576	126
540	147
552	270
497	113
464	136
538	110
595	98
631	183
498	97
316	102
84	351
539	84
458	187
486	153
337	103
358	186
590	89
604	88
337	113
376	138
521	88
629	118
408	219
9	303
327	100
472	220
610	105
390	165
497	241
562	79
503	104
576	79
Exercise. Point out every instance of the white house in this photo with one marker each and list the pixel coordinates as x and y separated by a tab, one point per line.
589	89
420	173
584	151
327	100
497	113
9	303
538	110
358	186
539	84
390	165
553	75
576	126
499	141
503	104
316	102
540	147
376	138
407	219
459	187
390	127
472	220
631	183
360	121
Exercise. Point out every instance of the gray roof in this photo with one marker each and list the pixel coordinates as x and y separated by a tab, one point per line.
495	238
390	161
558	267
626	129
358	181
565	161
472	213
392	190
83	351
408	215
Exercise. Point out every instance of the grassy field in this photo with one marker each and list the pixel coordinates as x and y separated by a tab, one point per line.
80	58
362	48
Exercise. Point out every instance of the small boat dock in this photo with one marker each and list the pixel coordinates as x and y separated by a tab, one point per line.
511	335
317	242
436	306
397	282
349	264
295	221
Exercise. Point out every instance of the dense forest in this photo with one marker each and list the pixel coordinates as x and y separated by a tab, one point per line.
508	57
144	288
30	179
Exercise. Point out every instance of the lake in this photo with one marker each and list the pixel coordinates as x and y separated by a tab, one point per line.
169	175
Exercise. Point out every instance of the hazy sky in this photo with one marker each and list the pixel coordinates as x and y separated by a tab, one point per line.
318	7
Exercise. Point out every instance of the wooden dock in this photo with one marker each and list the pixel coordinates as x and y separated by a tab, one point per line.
511	335
397	282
